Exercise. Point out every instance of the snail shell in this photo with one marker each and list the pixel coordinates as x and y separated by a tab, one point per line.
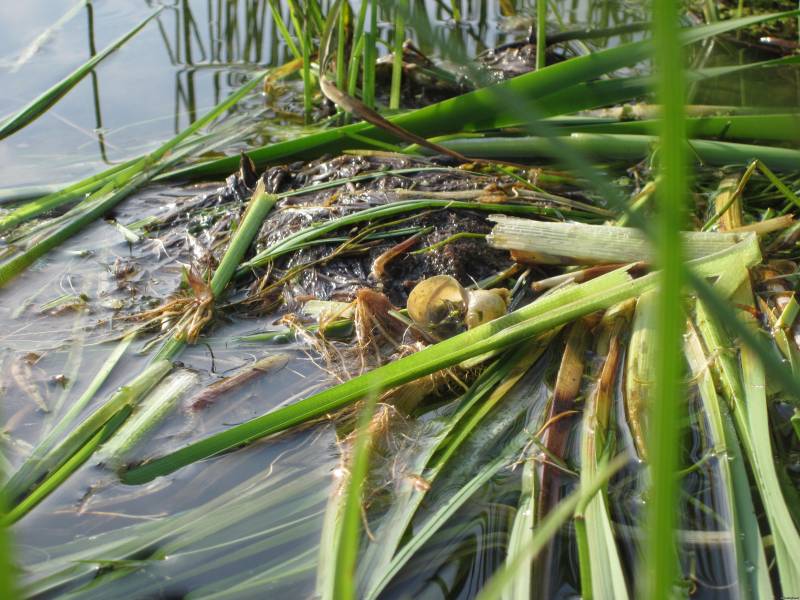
438	304
486	305
442	306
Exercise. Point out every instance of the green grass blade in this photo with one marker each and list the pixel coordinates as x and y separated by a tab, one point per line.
660	559
37	107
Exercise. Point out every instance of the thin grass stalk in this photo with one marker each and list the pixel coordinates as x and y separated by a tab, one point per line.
397	58
341	39
542	315
541	34
304	34
37	107
660	562
370	56
356	51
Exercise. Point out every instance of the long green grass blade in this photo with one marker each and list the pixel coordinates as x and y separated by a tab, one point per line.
660	559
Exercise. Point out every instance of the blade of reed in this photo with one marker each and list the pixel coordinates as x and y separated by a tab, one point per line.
37	107
628	148
784	531
541	34
542	315
474	110
519	588
600	564
640	377
750	559
397	60
493	589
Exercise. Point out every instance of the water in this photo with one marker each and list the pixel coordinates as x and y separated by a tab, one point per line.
254	508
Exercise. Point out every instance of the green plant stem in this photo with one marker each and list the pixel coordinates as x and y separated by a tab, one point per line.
541	34
397	58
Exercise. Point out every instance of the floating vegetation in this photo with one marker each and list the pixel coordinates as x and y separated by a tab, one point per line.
473	314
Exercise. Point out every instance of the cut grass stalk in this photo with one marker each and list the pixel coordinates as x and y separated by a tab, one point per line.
150	412
541	34
577	243
544	314
37	107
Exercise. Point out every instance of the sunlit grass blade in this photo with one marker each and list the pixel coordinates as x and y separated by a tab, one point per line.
37	107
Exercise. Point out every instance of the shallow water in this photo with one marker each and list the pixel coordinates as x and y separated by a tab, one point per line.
167	76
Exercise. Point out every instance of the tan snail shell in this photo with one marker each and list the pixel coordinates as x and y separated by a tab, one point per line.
442	306
486	305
